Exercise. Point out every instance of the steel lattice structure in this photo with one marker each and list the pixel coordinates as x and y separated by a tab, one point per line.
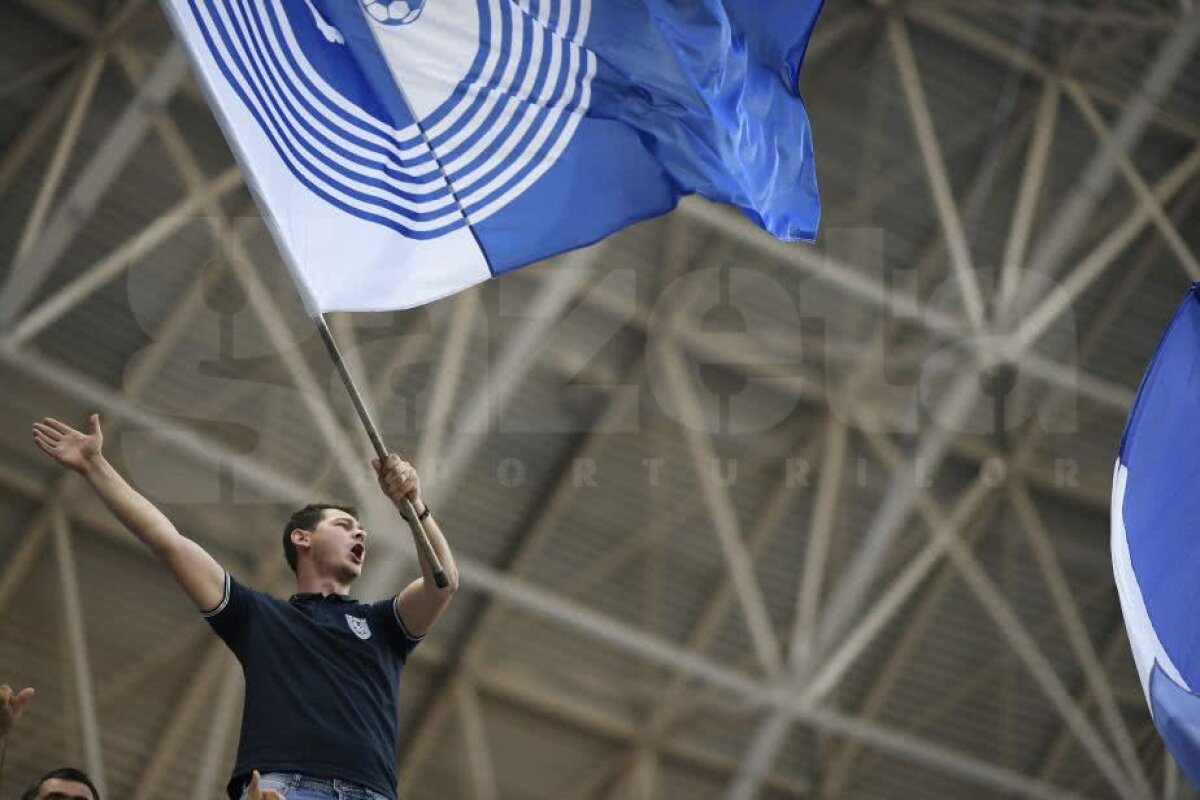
735	519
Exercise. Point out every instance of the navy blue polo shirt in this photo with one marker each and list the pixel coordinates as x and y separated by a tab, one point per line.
322	673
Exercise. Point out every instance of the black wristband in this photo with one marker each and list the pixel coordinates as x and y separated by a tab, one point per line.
424	515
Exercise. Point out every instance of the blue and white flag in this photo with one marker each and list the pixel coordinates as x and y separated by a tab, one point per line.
1156	534
406	149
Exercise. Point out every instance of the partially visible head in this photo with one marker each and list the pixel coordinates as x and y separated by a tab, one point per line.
62	784
326	540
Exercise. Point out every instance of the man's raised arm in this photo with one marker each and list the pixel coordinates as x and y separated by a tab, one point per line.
197	572
421	603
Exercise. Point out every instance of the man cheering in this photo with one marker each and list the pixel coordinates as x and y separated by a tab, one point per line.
322	669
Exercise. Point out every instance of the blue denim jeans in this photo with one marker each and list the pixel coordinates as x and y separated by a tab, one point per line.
302	787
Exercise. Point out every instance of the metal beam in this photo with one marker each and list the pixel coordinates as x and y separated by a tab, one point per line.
1032	183
890	601
1072	215
1150	18
1037	320
37	129
609	726
933	17
196	697
1145	195
935	170
123	257
820	535
44	69
619	408
771	735
70	17
766	527
874	292
29	271
958	400
449	375
894	510
211	768
835	772
23	557
810	681
1015	632
1115	644
64	149
1073	623
724	515
481	769
81	665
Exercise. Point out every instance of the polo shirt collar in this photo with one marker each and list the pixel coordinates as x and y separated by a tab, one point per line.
316	597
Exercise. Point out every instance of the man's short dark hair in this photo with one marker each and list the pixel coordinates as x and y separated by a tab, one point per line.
307	519
63	774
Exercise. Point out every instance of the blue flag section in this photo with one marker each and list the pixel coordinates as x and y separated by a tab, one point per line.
688	96
453	140
1156	534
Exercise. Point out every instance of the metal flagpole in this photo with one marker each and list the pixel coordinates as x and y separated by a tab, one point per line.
424	547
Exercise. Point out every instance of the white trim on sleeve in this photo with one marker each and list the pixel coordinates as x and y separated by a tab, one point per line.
400	622
224	601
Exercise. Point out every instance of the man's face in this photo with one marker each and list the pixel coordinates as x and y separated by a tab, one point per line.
59	789
338	545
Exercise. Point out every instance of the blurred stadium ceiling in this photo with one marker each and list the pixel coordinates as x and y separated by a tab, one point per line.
895	580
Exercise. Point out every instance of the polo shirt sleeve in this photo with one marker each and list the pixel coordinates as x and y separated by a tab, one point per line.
230	619
388	617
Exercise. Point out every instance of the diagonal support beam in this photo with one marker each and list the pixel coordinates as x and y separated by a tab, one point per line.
933	17
211	769
1081	643
449	376
1037	320
1015	633
38	128
1032	183
1073	214
724	515
893	513
81	665
811	682
64	149
820	535
31	269
482	770
935	170
1145	195
899	500
123	257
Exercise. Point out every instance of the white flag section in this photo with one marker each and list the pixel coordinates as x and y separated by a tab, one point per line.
321	102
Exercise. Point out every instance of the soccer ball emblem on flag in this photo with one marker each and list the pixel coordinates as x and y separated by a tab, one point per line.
394	12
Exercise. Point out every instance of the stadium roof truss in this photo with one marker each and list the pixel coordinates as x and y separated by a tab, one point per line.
931	615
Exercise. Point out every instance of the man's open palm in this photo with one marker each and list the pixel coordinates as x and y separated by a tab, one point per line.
11	706
67	446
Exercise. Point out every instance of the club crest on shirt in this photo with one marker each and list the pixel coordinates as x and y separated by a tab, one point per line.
359	626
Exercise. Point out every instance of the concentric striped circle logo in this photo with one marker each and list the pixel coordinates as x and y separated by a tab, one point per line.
460	108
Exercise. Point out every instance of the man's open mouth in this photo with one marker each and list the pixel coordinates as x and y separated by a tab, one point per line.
358	552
